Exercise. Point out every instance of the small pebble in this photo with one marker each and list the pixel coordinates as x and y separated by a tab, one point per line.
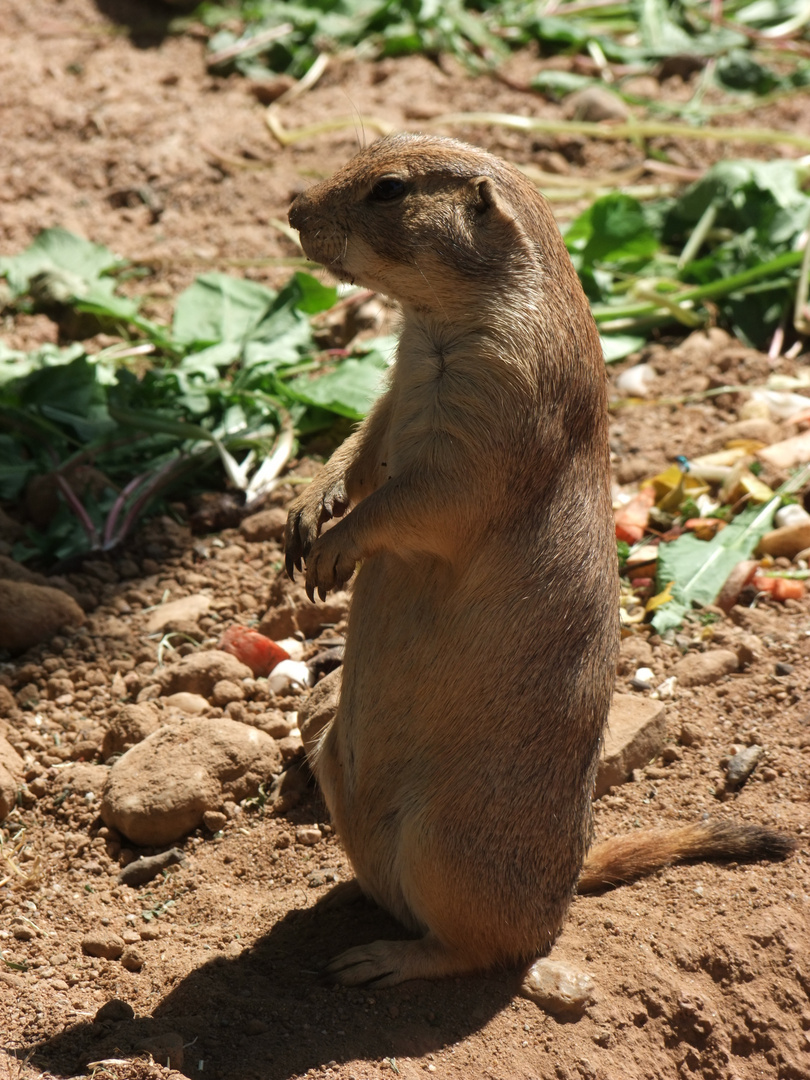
214	820
114	1010
308	835
132	958
144	869
289	675
783	669
742	765
636	381
666	690
691	735
107	945
642	680
558	987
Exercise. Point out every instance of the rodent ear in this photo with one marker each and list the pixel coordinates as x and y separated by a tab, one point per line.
488	198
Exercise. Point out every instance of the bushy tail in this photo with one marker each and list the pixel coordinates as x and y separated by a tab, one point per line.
626	858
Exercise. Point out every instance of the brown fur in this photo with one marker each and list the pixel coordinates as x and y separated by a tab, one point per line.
483	633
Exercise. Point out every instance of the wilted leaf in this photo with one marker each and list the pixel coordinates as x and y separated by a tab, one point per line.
698	569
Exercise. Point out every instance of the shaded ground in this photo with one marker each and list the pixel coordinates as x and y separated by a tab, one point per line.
700	971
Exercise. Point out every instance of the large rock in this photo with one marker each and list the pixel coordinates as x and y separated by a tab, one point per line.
33	613
636	734
201	671
11	774
161	788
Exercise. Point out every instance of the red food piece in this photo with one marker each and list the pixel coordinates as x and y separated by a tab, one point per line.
254	649
632	518
780	588
704	528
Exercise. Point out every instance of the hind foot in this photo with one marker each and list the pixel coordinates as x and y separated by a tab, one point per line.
386	963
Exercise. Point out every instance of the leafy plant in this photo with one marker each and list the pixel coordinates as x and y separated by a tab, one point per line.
733	240
228	382
287	37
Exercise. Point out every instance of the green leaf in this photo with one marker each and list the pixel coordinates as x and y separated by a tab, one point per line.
217	307
617	346
613	229
311	295
58	249
699	568
350	390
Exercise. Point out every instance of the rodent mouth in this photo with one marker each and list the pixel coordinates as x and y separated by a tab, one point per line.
335	267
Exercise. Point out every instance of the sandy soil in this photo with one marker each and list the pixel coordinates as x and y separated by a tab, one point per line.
116	131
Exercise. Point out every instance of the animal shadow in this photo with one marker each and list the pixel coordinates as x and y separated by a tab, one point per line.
268	1014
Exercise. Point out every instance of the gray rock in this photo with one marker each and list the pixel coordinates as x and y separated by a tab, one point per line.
149	866
742	765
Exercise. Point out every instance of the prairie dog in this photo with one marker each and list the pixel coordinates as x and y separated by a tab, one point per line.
483	633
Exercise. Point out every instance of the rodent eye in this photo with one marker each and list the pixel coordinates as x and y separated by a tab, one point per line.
387	189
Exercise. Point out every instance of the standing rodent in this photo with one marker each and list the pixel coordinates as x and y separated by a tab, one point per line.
483	633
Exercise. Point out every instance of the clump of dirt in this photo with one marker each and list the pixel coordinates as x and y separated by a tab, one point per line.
212	967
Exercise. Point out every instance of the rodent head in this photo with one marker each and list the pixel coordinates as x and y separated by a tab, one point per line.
431	222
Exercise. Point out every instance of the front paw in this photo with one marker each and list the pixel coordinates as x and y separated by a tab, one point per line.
330	563
307	514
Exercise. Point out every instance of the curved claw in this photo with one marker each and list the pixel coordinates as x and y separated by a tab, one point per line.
292	563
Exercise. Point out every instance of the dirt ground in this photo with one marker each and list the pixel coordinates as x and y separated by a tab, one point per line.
115	130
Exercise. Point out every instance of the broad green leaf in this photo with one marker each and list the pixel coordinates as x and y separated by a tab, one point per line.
217	307
617	346
58	249
699	568
350	390
15	364
613	229
311	295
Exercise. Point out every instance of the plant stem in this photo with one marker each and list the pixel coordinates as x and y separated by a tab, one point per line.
605	313
633	130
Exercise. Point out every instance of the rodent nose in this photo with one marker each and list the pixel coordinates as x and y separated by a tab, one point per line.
297	212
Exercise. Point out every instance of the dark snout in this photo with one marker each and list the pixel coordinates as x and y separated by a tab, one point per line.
299	209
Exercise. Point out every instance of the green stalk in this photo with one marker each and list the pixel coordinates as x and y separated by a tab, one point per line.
605	313
693	244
